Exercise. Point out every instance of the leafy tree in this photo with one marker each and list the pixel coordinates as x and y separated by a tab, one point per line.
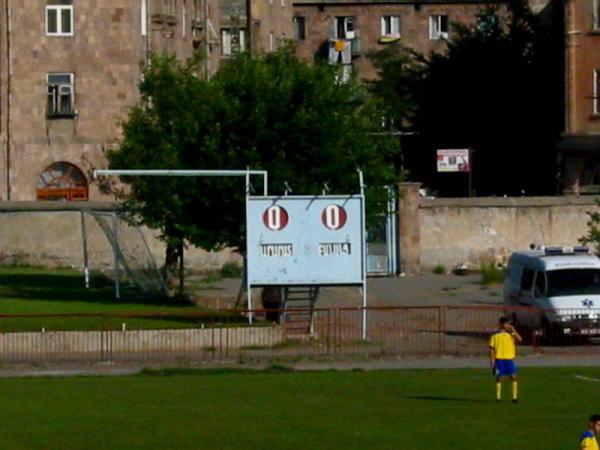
497	89
593	235
272	112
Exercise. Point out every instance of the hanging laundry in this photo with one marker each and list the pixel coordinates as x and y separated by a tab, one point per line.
340	46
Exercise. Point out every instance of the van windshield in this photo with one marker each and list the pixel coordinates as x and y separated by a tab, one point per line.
573	282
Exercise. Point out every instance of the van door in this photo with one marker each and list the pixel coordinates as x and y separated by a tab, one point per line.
526	291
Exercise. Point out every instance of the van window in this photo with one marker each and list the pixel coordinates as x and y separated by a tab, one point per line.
527	279
573	282
540	285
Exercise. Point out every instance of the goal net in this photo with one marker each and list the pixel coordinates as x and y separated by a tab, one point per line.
123	254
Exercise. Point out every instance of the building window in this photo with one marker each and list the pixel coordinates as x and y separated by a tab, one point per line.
62	181
232	41
390	26
169	7
486	21
61	95
596	14
299	29
59	18
344	28
597	91
184	20
197	10
438	27
271	41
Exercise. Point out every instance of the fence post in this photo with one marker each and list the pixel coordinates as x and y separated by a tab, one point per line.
328	330
441	328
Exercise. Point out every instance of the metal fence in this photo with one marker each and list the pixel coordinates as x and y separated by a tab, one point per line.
226	335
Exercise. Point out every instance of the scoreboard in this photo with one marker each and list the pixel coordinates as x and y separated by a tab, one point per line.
305	240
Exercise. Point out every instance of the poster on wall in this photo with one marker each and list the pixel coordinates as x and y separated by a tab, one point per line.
453	160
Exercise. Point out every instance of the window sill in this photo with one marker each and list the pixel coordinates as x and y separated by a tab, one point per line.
70	116
594	32
594	116
168	19
59	34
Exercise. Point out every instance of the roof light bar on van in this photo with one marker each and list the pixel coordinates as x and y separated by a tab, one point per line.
565	250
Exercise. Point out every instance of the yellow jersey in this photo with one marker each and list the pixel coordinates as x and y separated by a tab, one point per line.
504	345
588	441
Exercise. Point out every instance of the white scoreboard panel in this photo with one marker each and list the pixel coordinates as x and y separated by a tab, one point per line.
305	240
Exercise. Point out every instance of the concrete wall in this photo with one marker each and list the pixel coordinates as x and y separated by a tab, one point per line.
95	344
29	235
451	231
479	230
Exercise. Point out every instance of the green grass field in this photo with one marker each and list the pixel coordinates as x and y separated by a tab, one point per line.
26	290
416	409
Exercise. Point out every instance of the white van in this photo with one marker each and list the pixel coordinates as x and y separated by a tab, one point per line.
563	281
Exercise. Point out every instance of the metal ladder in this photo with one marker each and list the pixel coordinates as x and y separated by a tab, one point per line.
298	305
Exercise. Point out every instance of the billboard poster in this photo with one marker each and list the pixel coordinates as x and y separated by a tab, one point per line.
453	160
305	240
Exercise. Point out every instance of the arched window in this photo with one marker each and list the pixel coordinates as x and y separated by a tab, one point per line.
62	181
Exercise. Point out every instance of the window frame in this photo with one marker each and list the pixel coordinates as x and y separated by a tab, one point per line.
296	21
596	91
347	26
54	112
435	27
59	18
226	37
387	22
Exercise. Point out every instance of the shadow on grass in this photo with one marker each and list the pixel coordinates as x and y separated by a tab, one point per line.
68	286
446	399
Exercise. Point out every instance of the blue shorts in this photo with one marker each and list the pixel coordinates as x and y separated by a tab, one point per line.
505	367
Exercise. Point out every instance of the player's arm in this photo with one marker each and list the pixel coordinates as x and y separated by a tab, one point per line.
516	336
492	357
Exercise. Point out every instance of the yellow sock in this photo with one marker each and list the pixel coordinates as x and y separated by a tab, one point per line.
515	390
498	390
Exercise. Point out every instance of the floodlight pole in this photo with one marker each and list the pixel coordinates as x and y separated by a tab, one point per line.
364	255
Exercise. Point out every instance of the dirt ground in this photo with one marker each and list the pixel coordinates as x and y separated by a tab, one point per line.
419	290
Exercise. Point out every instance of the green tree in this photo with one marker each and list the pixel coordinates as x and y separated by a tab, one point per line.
497	89
273	112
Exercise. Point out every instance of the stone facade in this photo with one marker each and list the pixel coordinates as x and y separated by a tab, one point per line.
414	18
580	148
101	55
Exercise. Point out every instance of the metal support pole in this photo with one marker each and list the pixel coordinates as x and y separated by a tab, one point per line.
116	256
86	269
364	256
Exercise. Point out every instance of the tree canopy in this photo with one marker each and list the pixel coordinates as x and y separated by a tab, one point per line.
497	89
273	112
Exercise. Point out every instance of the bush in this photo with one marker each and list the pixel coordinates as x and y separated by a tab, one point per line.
492	274
439	269
231	270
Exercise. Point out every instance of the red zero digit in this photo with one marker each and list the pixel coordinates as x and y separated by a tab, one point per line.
275	218
334	217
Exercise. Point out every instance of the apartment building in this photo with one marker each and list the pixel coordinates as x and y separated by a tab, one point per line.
346	31
69	71
579	150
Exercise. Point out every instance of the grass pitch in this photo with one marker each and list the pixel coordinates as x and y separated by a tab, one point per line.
417	409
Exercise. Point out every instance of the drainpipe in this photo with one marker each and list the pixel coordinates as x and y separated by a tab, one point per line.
8	95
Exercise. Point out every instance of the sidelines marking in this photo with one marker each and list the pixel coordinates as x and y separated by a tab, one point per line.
581	377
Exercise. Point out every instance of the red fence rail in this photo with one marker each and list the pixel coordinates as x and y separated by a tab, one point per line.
226	335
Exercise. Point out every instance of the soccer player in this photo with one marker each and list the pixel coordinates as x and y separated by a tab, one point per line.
588	438
502	354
